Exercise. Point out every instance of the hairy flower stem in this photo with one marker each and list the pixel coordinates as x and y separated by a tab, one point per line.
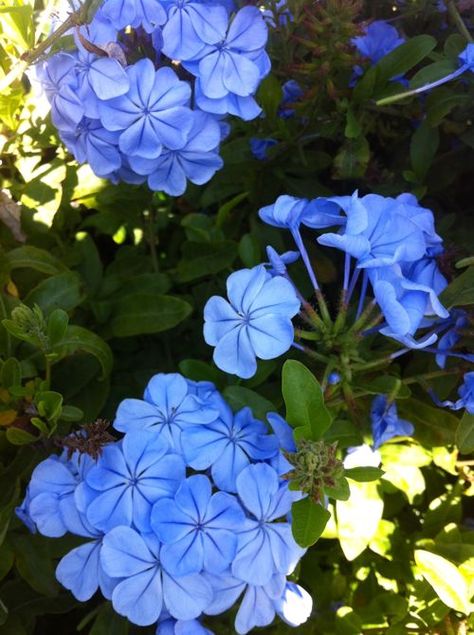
364	317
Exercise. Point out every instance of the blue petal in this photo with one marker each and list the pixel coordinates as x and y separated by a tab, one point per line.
186	597
78	570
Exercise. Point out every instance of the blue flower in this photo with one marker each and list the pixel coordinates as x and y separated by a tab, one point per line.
260	147
255	323
192	27
292	92
146	13
127	479
265	547
385	422
466	57
379	231
81	572
98	77
466	396
198	529
404	304
244	107
285	213
283	13
277	263
51	504
198	160
153	112
283	431
59	82
228	445
234	64
446	343
91	142
167	407
380	39
170	626
146	587
295	604
23	512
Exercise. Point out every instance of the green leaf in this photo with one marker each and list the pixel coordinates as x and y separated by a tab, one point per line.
423	148
433	426
34	258
224	210
404	57
364	474
62	291
143	313
34	563
78	339
308	521
340	491
461	290
17	436
304	400
250	250
352	159
109	623
57	326
269	95
465	434
71	413
445	578
198	370
358	518
204	259
11	373
240	397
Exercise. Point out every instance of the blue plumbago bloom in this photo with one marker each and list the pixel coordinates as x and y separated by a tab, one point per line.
170	626
51	494
386	423
228	445
277	262
192	27
283	432
289	212
127	479
260	147
167	407
98	77
265	547
152	113
334	378
59	82
23	512
378	232
163	547
404	304
198	159
283	13
81	572
244	107
451	337
380	39
146	587
466	396
295	605
292	92
148	14
255	323
90	142
236	63
466	57
198	529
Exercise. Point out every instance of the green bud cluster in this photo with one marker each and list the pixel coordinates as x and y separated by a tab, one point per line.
315	467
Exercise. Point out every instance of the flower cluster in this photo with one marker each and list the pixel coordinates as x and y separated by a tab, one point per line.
394	247
182	516
143	96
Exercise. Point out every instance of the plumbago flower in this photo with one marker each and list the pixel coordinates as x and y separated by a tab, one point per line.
386	423
255	323
133	119
164	543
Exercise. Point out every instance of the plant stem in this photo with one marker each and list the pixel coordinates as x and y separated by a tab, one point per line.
433	375
457	19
